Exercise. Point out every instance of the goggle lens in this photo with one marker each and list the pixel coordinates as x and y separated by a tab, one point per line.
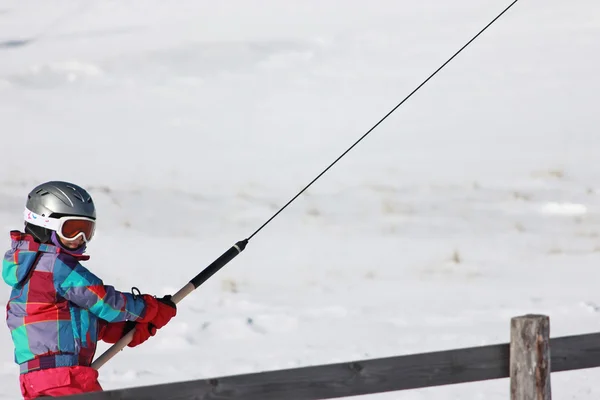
73	227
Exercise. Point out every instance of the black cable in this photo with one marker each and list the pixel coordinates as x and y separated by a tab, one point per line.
380	121
237	248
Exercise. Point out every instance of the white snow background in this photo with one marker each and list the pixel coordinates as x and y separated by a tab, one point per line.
191	122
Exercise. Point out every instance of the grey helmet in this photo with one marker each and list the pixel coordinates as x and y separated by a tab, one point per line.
57	199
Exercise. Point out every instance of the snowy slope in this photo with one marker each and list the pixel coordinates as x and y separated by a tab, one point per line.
478	200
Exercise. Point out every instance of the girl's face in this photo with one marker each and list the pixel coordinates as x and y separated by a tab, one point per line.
72	244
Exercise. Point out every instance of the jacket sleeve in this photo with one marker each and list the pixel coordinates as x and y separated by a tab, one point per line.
77	284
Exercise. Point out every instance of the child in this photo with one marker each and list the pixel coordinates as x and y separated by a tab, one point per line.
58	309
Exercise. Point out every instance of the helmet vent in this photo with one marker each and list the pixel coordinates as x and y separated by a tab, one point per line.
77	194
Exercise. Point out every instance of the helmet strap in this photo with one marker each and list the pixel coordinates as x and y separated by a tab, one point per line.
40	234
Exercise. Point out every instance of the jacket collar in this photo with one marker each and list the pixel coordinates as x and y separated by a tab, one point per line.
27	242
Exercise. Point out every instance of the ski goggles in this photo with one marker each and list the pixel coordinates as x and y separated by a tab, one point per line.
67	228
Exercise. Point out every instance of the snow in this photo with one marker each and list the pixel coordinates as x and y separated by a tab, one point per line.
192	123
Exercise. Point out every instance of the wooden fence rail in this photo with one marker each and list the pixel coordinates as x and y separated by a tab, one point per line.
380	375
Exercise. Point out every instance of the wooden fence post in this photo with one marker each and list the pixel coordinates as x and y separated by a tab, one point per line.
530	358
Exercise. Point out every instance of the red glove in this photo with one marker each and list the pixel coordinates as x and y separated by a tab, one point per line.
159	311
111	332
167	309
141	334
151	308
114	331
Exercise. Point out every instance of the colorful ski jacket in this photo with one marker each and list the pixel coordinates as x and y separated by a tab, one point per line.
57	305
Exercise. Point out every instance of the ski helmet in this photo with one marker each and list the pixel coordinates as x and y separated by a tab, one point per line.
52	200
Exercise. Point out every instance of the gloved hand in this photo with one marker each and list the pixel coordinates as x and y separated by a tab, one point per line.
114	331
159	311
167	309
154	306
111	332
150	310
141	334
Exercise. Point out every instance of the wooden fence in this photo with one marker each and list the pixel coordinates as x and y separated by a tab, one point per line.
527	360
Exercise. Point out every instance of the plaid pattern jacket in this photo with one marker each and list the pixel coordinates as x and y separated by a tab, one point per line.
57	306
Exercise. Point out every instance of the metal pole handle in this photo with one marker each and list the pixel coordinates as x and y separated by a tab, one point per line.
177	297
